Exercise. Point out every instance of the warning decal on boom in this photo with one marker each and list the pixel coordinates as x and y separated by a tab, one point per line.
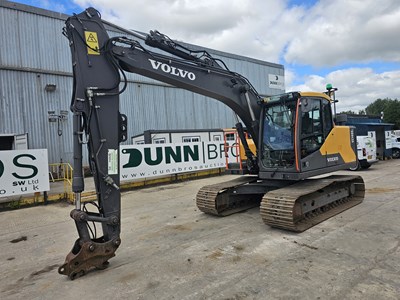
92	42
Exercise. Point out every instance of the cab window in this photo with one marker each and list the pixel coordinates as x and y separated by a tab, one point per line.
327	120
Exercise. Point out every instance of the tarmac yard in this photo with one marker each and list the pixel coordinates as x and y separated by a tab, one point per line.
170	250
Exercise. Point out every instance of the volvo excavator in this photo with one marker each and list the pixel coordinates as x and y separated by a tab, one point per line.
294	134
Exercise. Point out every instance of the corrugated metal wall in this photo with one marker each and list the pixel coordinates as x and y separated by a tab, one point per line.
32	41
34	53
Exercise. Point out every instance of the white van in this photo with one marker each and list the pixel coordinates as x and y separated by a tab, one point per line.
366	151
395	146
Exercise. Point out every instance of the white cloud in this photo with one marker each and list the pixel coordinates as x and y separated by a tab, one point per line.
290	76
326	34
357	87
344	31
259	29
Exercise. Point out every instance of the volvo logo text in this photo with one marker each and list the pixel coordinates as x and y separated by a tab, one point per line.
332	159
171	70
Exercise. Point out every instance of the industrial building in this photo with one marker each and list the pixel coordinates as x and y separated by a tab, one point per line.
366	123
36	87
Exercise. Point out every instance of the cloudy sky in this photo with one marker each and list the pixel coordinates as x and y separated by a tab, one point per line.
352	44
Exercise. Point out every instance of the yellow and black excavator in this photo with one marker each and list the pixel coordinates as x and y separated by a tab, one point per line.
294	134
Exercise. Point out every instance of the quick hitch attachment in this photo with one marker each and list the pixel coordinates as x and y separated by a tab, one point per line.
87	253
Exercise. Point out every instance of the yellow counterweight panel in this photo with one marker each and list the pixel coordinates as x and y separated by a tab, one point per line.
338	141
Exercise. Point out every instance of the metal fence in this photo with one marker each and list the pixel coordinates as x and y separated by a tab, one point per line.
62	172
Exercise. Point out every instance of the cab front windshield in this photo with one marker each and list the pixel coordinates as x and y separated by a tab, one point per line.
278	135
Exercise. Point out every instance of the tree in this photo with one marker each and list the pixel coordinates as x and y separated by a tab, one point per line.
362	112
390	109
350	112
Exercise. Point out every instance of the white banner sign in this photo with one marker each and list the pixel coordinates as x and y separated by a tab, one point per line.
276	82
23	172
149	160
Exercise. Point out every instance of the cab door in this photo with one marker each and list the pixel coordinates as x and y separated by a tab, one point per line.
311	132
315	125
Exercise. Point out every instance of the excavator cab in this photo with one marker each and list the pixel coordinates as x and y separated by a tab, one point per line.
299	138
